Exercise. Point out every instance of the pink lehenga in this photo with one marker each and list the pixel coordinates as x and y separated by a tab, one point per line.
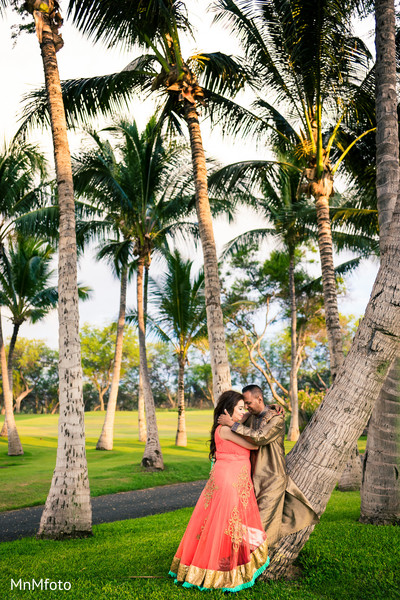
224	546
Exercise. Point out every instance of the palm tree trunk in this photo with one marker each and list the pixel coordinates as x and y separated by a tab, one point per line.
152	458
294	432
329	284
14	443
68	510
380	489
350	480
215	322
181	437
324	447
11	357
106	438
141	409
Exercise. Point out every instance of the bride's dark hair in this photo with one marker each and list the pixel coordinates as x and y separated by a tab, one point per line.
227	401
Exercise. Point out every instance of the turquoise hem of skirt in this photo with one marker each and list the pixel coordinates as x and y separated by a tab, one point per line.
238	588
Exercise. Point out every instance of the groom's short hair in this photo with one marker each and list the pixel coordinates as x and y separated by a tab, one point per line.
254	390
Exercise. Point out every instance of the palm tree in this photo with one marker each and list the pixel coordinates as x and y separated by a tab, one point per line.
20	164
271	188
164	69
72	515
324	94
130	188
380	490
179	319
25	286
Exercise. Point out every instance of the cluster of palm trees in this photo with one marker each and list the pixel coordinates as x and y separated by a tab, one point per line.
315	108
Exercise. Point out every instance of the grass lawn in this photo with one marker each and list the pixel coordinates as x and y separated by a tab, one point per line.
129	560
26	479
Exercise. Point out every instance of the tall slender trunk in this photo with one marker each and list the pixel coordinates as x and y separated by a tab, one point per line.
335	342
68	510
181	437
324	447
141	408
14	443
294	432
106	439
11	356
380	488
152	458
215	322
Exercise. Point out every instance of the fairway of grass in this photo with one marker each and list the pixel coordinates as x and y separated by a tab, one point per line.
26	479
129	560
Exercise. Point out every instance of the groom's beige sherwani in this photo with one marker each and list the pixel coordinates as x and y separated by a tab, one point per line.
283	507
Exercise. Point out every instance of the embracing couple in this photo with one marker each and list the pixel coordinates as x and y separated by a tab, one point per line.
249	501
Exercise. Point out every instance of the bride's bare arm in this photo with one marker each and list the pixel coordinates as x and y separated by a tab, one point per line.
227	434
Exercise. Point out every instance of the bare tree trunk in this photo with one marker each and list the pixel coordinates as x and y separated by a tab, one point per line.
215	323
350	480
294	432
21	397
14	443
380	490
101	397
323	448
68	511
152	458
329	284
181	437
106	439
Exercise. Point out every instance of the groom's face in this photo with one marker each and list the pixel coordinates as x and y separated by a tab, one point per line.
254	404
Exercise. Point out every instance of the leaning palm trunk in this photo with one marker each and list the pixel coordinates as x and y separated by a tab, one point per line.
294	432
68	509
181	437
14	443
106	439
324	447
152	458
215	324
380	490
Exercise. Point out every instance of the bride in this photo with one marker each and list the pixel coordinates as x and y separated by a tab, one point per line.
224	546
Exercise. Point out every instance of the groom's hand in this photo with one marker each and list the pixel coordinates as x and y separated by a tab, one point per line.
225	419
278	408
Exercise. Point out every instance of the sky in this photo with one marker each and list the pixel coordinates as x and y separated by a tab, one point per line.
21	72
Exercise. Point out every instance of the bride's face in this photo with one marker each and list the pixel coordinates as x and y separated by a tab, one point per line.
238	411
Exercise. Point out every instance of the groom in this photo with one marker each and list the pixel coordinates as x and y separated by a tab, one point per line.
283	507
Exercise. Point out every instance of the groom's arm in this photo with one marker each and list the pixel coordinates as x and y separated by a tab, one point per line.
267	433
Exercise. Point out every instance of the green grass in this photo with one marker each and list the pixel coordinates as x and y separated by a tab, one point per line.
343	560
26	479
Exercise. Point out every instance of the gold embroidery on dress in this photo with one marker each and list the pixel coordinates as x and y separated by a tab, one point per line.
243	485
209	490
235	529
198	536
